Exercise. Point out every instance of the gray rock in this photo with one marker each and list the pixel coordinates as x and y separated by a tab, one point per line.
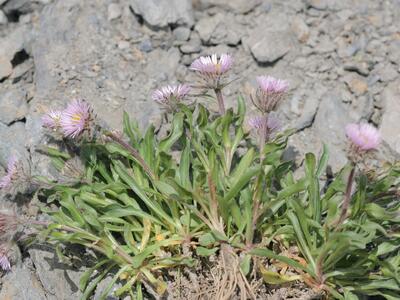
193	46
22	284
394	52
300	29
269	46
25	19
329	124
57	279
14	139
21	6
181	33
362	107
219	29
237	6
305	105
386	72
167	63
114	11
356	83
324	45
243	6
13	106
123	45
361	68
146	45
75	31
163	13
327	4
3	18
318	4
390	120
14	42
5	67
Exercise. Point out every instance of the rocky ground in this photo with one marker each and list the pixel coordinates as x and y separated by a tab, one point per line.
342	59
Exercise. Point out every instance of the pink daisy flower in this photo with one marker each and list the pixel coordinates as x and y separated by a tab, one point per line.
171	95
364	137
12	173
269	93
269	84
52	119
76	118
266	127
213	68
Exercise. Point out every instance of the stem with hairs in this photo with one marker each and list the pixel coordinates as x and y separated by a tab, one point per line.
347	197
220	98
134	153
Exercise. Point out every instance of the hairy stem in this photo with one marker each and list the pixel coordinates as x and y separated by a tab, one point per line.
263	137
220	98
347	197
134	153
255	214
214	207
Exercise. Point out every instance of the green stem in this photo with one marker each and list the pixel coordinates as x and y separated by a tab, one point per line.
263	137
134	153
255	214
220	98
347	197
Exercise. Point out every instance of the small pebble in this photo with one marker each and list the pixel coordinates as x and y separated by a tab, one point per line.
114	11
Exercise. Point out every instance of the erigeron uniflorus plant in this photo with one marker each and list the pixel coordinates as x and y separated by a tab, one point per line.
228	194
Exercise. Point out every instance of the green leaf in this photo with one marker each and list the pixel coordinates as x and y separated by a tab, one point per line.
270	254
272	277
241	110
219	236
141	194
292	189
207	239
323	161
184	168
243	165
51	151
386	247
108	288
176	132
89	290
131	129
84	280
239	184
301	240
313	187
201	251
245	264
149	251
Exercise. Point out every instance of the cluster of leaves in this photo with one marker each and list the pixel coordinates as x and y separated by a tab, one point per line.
208	186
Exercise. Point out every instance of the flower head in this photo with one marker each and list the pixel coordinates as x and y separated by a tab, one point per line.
52	119
76	118
363	137
212	68
4	261
264	126
170	95
269	93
